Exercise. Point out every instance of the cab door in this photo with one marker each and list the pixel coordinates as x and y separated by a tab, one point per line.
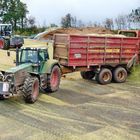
42	58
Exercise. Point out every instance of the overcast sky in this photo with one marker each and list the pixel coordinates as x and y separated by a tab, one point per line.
51	11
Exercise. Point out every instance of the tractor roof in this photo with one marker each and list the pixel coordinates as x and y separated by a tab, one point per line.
35	49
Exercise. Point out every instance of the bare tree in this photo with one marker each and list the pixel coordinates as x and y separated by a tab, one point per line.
80	24
66	21
74	22
97	24
135	18
109	24
121	22
31	21
90	24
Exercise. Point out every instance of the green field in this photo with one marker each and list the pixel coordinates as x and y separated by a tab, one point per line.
135	75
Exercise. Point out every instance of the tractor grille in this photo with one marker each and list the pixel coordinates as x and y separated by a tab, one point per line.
4	88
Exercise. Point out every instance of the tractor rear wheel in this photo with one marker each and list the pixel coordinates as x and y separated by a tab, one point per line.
104	76
87	75
120	75
53	79
31	89
6	44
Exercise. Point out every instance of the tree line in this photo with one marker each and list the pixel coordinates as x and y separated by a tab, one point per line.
129	21
15	12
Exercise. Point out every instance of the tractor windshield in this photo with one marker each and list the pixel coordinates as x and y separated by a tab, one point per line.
29	56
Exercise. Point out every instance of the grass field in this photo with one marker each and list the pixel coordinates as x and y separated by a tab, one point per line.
135	75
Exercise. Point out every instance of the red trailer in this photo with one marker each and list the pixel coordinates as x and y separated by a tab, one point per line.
105	57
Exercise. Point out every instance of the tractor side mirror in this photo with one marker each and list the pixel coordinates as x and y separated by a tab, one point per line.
8	53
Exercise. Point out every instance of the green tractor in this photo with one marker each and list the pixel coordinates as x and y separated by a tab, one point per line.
34	71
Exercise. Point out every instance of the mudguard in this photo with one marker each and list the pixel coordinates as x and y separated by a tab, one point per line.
47	67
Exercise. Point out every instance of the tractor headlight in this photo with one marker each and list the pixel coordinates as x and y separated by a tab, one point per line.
8	78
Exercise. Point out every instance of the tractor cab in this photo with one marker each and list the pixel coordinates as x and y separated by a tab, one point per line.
129	33
32	55
34	71
5	29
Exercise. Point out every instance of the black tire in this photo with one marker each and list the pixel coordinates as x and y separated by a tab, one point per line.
104	76
120	75
1	97
6	44
31	89
18	46
87	75
53	80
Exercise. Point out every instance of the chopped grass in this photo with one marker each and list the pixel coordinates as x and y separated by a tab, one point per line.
135	74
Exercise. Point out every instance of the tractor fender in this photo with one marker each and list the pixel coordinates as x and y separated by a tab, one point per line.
33	74
47	68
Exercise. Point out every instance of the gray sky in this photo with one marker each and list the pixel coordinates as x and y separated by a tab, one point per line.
51	11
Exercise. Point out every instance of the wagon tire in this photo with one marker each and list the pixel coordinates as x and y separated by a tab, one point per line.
31	90
120	75
88	75
1	97
53	79
18	46
104	76
6	44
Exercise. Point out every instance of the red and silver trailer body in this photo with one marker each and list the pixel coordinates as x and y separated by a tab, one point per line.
92	52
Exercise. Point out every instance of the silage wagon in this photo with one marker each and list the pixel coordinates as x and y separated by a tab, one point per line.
105	58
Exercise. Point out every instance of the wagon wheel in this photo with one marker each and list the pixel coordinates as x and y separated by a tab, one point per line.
104	76
120	75
87	75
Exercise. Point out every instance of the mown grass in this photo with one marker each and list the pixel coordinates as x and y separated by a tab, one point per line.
135	74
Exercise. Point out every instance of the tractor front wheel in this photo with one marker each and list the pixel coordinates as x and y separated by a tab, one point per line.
31	89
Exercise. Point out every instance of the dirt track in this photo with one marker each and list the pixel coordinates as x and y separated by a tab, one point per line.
80	110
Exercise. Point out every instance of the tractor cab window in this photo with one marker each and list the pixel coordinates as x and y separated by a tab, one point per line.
128	33
29	56
41	56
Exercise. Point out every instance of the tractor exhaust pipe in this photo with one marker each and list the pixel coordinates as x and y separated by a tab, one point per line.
17	56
